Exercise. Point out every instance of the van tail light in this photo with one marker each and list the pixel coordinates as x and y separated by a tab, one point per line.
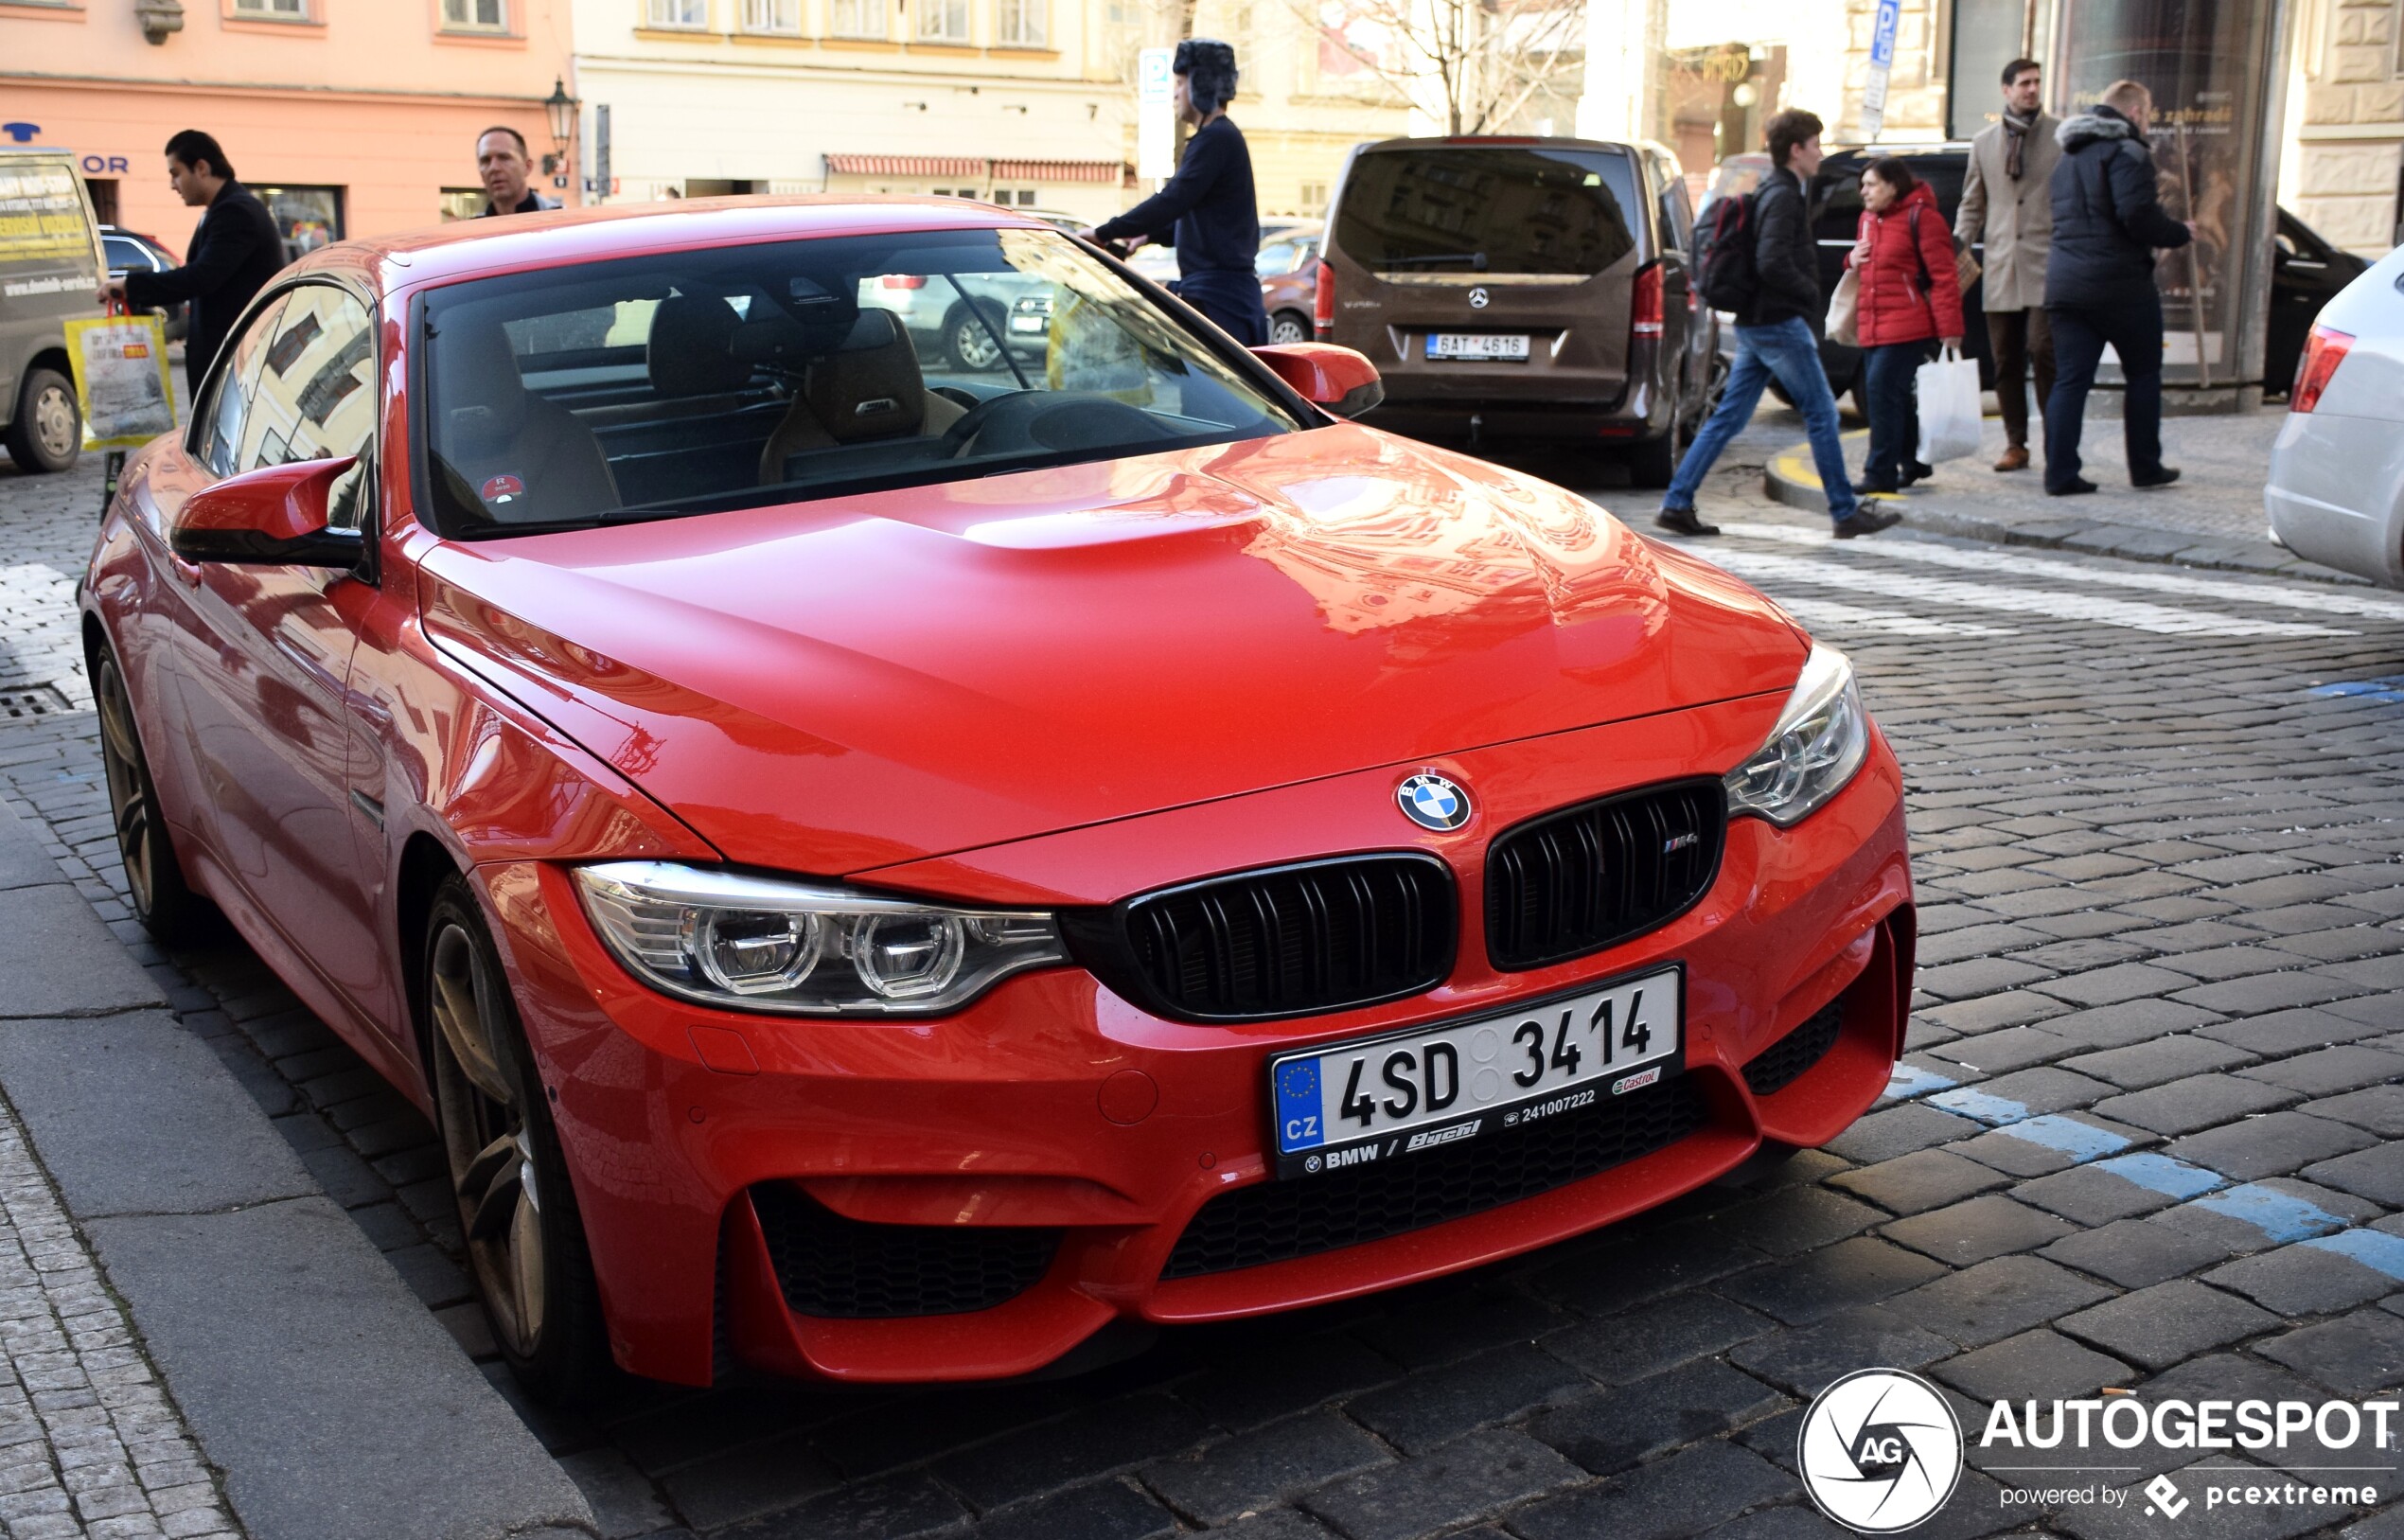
1644	314
904	280
2322	352
1323	301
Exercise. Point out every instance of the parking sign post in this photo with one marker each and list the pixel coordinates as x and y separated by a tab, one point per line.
1890	16
1156	133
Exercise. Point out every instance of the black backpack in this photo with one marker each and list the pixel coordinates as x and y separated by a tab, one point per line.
1725	268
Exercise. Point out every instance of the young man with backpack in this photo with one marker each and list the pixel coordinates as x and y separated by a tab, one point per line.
1760	263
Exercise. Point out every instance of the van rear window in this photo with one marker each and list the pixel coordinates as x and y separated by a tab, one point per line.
1451	211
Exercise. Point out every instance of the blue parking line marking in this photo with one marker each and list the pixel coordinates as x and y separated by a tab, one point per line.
1910	1080
2386	691
2161	1174
2081	1141
2374	1248
1972	1103
2271	1211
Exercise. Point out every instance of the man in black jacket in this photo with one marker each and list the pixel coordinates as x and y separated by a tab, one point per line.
1207	209
1777	335
233	254
2099	284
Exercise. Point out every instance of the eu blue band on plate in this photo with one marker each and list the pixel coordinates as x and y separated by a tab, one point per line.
1297	1105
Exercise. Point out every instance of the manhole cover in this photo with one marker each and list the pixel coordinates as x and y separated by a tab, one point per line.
24	705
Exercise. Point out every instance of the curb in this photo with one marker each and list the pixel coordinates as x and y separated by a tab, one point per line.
1791	478
335	1406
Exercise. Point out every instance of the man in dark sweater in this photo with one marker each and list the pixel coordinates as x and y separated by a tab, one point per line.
233	254
2099	284
1777	336
1207	209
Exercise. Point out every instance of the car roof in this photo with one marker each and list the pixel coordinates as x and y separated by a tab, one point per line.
1473	141
566	237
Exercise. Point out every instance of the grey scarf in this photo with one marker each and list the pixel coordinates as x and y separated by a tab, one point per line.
2015	134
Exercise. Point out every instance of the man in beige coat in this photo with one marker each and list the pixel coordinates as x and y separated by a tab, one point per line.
2006	198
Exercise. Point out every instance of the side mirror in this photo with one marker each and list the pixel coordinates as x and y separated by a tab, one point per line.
1343	381
275	516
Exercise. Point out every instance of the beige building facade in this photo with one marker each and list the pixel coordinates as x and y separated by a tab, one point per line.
2343	169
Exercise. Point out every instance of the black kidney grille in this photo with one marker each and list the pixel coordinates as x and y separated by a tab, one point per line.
843	1269
1278	1221
1313	937
1588	877
1782	1063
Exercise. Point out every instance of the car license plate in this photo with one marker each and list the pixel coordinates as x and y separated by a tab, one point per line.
1458	345
1394	1097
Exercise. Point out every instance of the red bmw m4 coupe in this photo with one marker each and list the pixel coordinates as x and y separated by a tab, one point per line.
880	871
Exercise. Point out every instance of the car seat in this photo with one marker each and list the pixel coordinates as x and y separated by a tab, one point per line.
868	389
518	457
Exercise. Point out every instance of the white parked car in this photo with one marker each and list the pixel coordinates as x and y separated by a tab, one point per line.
2336	490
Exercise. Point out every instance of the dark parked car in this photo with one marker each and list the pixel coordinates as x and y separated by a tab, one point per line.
2307	272
128	250
1522	290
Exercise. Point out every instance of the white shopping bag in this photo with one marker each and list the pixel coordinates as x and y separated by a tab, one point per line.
1948	408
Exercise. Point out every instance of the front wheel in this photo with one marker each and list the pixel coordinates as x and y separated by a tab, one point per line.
47	435
970	340
165	904
525	1239
1289	327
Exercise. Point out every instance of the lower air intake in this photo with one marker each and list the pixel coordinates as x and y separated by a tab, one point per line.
843	1269
1783	1062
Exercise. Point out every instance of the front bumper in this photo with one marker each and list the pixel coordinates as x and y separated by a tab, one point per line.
1053	1105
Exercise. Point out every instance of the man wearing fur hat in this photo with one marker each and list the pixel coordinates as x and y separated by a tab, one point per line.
2099	284
1207	209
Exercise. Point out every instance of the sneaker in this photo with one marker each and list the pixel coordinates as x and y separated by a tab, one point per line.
1868	522
2079	487
2162	477
2015	458
1682	522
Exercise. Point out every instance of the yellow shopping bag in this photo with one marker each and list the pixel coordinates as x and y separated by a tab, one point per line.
121	380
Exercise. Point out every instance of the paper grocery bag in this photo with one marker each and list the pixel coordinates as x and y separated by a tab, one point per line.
121	380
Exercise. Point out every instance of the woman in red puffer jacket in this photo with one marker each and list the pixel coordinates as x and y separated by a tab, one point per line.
1910	302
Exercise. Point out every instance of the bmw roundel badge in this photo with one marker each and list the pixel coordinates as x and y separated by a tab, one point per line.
1434	802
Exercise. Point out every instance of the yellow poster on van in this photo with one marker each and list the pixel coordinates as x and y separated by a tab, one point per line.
121	380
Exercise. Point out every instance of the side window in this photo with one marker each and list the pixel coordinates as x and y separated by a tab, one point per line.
229	409
1677	213
1837	195
315	399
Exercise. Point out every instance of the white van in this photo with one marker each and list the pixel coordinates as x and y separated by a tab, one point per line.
50	267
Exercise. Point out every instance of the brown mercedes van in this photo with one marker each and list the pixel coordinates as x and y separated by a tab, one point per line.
1522	290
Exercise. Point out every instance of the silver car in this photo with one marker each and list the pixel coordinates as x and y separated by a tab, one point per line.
2336	489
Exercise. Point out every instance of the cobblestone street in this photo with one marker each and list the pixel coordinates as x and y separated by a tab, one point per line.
2150	1137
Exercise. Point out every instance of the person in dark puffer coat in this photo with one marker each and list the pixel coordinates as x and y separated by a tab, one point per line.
2099	284
1911	301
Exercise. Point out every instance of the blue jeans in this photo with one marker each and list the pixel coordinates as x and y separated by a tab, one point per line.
2134	332
1891	378
1791	351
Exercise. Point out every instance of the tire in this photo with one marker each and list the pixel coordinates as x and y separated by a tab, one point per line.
163	901
1653	461
969	344
525	1242
1289	327
46	434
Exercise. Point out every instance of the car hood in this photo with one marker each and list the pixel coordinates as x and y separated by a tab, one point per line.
841	684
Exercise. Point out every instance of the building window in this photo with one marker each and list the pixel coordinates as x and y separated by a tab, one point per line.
1314	197
855	18
782	18
474	16
272	10
1018	23
942	21
680	15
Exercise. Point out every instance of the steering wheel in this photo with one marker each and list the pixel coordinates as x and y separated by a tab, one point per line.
1044	421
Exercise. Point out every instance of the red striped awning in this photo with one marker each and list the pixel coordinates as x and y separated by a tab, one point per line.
1057	171
905	165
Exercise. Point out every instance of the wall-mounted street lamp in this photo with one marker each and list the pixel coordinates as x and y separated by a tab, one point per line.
560	108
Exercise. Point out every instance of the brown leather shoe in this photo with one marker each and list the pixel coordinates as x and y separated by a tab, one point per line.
2015	458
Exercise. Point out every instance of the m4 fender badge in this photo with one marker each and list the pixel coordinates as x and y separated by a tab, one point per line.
1635	1081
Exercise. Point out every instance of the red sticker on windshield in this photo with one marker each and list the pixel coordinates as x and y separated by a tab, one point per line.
504	488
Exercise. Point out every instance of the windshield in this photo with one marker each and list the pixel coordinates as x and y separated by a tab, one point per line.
692	382
1468	213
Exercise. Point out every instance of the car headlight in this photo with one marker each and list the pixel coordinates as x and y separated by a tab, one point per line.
797	949
1822	737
